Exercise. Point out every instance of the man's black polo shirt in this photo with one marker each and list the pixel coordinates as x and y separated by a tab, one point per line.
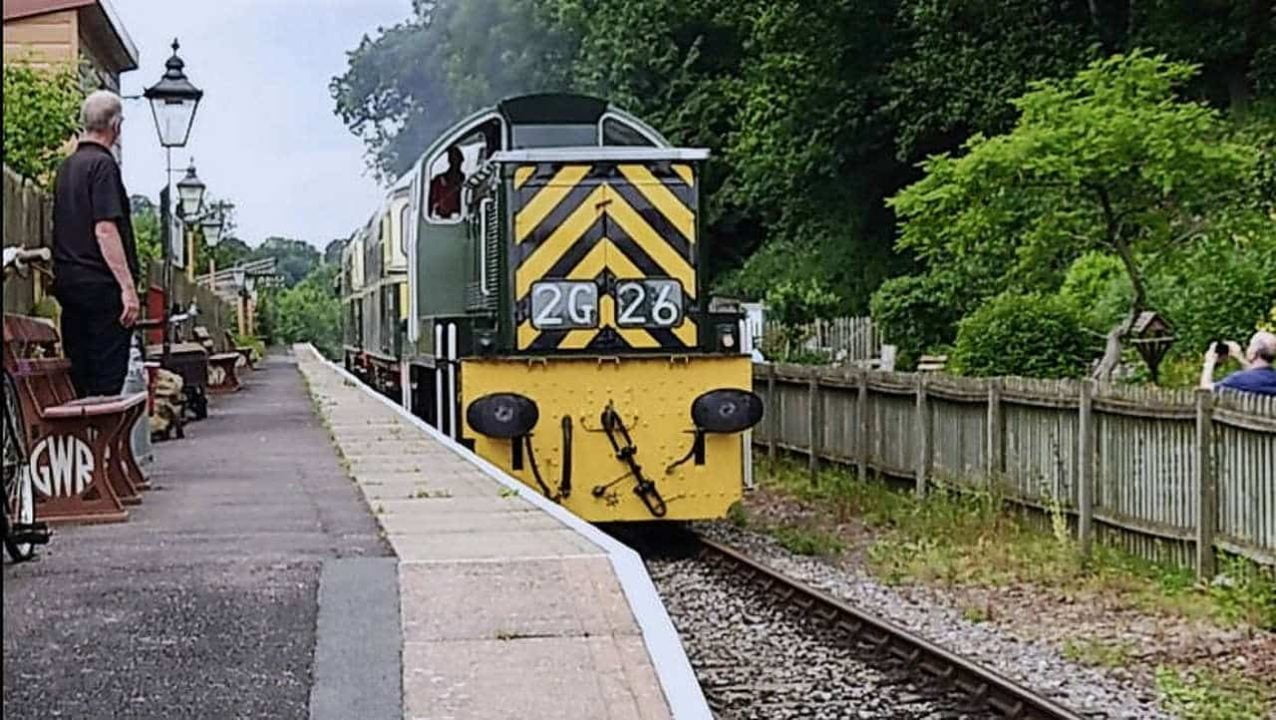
88	189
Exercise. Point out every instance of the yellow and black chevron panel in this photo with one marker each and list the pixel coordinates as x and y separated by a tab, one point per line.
629	229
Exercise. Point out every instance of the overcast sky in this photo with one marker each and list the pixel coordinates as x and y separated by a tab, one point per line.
265	136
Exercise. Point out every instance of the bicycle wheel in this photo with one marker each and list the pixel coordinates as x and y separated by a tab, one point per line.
19	495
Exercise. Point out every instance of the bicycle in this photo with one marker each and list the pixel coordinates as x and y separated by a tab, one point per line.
21	530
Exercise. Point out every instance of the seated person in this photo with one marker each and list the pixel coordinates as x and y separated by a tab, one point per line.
445	188
1257	375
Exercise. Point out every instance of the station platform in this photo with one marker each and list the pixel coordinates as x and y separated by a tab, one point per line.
312	551
511	607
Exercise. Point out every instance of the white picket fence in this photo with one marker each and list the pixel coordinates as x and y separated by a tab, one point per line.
842	340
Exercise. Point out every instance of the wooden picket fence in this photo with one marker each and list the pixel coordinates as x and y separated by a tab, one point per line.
28	222
1169	475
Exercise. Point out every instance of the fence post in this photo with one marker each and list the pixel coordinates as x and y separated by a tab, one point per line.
773	414
923	425
861	422
813	435
996	432
1085	466
1207	487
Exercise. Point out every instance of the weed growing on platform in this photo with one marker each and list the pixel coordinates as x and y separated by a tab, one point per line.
971	538
1210	696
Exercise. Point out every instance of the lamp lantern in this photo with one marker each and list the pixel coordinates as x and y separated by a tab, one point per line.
190	193
173	102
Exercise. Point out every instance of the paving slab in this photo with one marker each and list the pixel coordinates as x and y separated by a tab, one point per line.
454	506
414	485
491	545
529	598
445	523
549	678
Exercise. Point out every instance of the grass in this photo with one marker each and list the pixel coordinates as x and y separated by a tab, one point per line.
1098	653
969	538
807	540
1193	695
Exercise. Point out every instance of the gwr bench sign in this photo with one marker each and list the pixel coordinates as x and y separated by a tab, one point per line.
61	466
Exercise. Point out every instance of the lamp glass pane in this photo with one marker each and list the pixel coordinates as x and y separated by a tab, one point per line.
173	118
191	192
212	228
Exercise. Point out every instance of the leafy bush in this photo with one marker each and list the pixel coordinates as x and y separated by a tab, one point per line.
1030	335
41	113
794	305
912	313
1098	285
1220	288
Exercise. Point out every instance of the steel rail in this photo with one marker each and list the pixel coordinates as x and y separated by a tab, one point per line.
1000	693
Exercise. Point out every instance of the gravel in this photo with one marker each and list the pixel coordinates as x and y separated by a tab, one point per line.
758	658
1088	691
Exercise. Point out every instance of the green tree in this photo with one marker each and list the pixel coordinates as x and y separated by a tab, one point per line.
294	259
332	251
231	251
41	113
308	312
403	87
1110	160
915	313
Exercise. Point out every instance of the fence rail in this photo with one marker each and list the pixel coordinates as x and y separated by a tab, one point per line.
1167	475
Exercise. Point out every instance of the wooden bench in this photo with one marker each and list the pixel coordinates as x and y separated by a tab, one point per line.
244	351
81	456
222	377
932	363
190	361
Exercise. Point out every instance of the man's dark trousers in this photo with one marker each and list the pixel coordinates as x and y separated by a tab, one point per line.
94	340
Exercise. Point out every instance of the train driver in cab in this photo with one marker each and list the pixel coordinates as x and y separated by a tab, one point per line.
445	188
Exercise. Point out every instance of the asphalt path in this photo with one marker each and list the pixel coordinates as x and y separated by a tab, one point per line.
207	602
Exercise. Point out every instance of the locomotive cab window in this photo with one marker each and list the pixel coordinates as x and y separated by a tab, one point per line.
615	131
449	169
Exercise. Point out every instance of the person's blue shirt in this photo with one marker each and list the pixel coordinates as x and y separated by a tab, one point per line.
1260	380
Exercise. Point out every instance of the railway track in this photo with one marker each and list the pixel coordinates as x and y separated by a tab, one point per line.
980	686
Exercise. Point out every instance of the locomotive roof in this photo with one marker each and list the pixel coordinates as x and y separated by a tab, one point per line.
596	153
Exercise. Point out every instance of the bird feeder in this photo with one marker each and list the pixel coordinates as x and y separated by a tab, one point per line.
1153	336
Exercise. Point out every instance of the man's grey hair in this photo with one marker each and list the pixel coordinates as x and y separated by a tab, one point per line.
101	111
1263	346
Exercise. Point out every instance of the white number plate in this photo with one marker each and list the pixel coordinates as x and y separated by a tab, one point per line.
564	305
648	303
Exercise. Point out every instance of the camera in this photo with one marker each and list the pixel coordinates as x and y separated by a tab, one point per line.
1220	348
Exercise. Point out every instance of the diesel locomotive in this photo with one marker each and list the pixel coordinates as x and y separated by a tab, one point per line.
531	288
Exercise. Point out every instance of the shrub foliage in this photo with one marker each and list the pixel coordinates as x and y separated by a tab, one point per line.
1031	335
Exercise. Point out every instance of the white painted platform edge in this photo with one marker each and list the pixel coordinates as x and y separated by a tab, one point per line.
673	669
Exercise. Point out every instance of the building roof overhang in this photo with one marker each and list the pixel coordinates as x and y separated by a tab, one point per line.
101	23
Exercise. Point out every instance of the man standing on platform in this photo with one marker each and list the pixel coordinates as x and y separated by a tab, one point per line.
94	258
